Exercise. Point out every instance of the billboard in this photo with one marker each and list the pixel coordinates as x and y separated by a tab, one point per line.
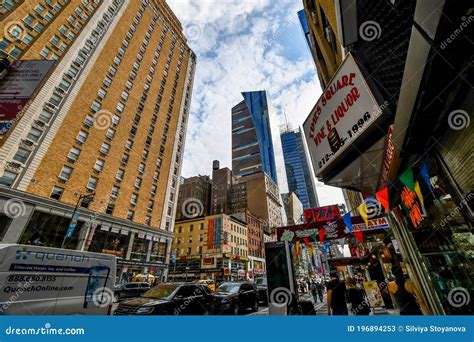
346	109
18	87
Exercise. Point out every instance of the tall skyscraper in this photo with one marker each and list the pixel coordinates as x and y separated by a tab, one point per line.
252	146
298	168
104	132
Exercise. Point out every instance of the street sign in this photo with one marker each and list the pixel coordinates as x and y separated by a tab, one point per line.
344	111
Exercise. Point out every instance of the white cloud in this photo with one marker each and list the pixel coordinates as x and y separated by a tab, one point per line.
238	47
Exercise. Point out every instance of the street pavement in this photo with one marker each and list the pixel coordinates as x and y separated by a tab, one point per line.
321	308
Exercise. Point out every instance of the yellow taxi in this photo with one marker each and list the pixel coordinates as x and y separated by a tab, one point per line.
209	282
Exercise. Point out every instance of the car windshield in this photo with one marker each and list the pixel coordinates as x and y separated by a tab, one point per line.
231	288
160	291
261	281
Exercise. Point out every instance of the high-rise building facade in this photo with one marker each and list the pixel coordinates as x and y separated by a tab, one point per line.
299	172
194	198
105	132
293	208
319	25
213	247
252	145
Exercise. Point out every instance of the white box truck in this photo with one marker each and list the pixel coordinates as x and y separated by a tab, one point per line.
38	280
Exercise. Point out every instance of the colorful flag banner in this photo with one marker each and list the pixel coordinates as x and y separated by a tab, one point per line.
426	176
363	212
326	246
348	221
321	235
408	180
297	248
382	197
419	194
359	236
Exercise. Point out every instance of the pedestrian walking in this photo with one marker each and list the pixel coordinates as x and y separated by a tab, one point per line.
406	294
357	298
314	291
320	288
336	296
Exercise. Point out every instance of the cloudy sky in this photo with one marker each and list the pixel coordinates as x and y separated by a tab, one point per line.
245	45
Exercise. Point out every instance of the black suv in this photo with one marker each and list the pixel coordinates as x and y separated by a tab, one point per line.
130	290
170	299
235	297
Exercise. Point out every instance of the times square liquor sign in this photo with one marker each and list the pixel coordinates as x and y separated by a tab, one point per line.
346	109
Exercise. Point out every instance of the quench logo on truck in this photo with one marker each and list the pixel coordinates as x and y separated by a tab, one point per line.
24	254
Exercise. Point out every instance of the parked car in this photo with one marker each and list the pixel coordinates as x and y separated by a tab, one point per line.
209	282
262	288
235	297
170	299
129	290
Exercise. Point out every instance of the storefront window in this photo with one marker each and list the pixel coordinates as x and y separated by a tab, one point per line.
109	242
49	230
158	252
4	224
140	248
445	241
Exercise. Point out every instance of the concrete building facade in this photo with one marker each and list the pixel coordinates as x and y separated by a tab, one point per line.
104	133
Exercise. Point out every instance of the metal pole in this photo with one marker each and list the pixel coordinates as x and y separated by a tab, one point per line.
74	213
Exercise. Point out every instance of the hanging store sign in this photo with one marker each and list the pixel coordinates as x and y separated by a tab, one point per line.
358	224
346	109
208	263
17	88
322	214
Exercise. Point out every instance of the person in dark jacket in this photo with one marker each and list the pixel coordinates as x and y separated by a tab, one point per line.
336	296
404	291
357	298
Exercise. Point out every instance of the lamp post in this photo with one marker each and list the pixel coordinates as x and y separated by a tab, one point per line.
72	224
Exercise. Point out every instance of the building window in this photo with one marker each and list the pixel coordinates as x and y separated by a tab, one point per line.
120	174
134	199
151	204
147	220
81	137
34	134
22	155
8	178
105	148
130	215
99	165
110	209
65	173
138	182
74	154
56	193
92	183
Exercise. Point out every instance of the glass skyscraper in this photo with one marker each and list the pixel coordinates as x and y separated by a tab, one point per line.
252	146
297	165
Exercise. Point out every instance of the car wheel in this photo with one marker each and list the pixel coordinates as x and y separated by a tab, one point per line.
116	298
236	309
